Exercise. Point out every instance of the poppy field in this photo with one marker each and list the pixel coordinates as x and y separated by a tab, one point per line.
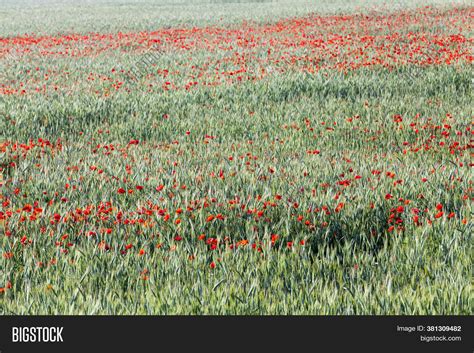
237	159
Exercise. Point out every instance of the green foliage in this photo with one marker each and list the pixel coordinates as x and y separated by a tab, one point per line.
350	262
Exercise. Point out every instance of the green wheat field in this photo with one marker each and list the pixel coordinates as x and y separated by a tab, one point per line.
236	157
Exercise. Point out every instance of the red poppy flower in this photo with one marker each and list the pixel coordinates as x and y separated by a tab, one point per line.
339	207
8	255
